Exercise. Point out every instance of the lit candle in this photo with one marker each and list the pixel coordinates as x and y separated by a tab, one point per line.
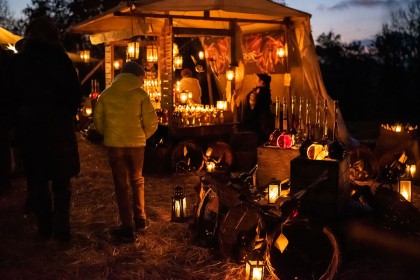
273	193
210	166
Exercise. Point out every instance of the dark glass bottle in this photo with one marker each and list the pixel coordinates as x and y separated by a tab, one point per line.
317	133
308	140
272	140
325	141
299	137
336	150
285	121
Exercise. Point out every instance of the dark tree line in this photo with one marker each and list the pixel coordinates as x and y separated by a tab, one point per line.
381	81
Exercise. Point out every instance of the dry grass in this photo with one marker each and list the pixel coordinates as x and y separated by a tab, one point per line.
166	251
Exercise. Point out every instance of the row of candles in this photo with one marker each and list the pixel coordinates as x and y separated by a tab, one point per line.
199	114
399	127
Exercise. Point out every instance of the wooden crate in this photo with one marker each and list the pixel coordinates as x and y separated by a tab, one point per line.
273	163
326	201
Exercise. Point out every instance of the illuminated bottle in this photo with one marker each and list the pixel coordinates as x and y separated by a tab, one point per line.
308	140
285	121
272	140
336	149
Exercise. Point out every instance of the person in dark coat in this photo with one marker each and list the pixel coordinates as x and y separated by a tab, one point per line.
5	127
46	95
257	111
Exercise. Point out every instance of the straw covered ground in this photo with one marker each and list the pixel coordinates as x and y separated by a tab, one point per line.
166	251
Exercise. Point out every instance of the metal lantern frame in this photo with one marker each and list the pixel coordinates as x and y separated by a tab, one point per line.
85	55
274	192
255	269
152	52
404	187
178	61
133	50
179	205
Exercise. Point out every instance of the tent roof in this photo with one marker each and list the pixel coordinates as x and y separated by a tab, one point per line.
7	37
147	17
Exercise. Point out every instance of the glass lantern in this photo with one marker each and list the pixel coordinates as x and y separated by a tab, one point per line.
404	187
179	205
255	269
274	191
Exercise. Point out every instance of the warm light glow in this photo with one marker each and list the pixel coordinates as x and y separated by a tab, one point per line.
404	188
179	205
230	74
152	53
281	52
133	50
257	273
201	55
221	105
413	170
273	193
88	111
117	64
210	166
183	97
85	55
175	50
398	128
254	270
178	62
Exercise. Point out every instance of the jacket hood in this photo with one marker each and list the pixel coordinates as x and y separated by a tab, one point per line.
126	82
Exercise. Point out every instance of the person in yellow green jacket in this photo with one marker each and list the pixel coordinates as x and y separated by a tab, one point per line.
125	116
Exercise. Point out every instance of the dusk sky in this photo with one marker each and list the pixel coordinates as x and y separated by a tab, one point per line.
352	19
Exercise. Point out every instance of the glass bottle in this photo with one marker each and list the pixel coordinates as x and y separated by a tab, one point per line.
272	140
336	149
325	141
285	121
317	129
308	140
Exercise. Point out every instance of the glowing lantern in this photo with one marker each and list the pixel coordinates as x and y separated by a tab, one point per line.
255	269
117	64
221	105
412	170
274	191
230	73
281	52
404	187
178	61
88	111
85	55
183	97
210	166
398	128
133	50
179	205
175	50
201	55
152	53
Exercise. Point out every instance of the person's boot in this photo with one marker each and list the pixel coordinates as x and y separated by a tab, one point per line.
61	214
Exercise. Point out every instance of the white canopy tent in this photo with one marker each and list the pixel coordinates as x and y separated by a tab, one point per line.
167	19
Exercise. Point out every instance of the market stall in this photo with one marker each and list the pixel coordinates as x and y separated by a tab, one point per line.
234	40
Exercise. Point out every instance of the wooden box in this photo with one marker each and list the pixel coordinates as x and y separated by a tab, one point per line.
273	163
323	203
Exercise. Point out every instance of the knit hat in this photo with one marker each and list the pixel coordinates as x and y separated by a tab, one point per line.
134	68
265	78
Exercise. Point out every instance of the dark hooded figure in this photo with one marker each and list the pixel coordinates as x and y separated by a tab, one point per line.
257	112
46	95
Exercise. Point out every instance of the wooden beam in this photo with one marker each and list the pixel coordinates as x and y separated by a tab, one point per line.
139	14
201	31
